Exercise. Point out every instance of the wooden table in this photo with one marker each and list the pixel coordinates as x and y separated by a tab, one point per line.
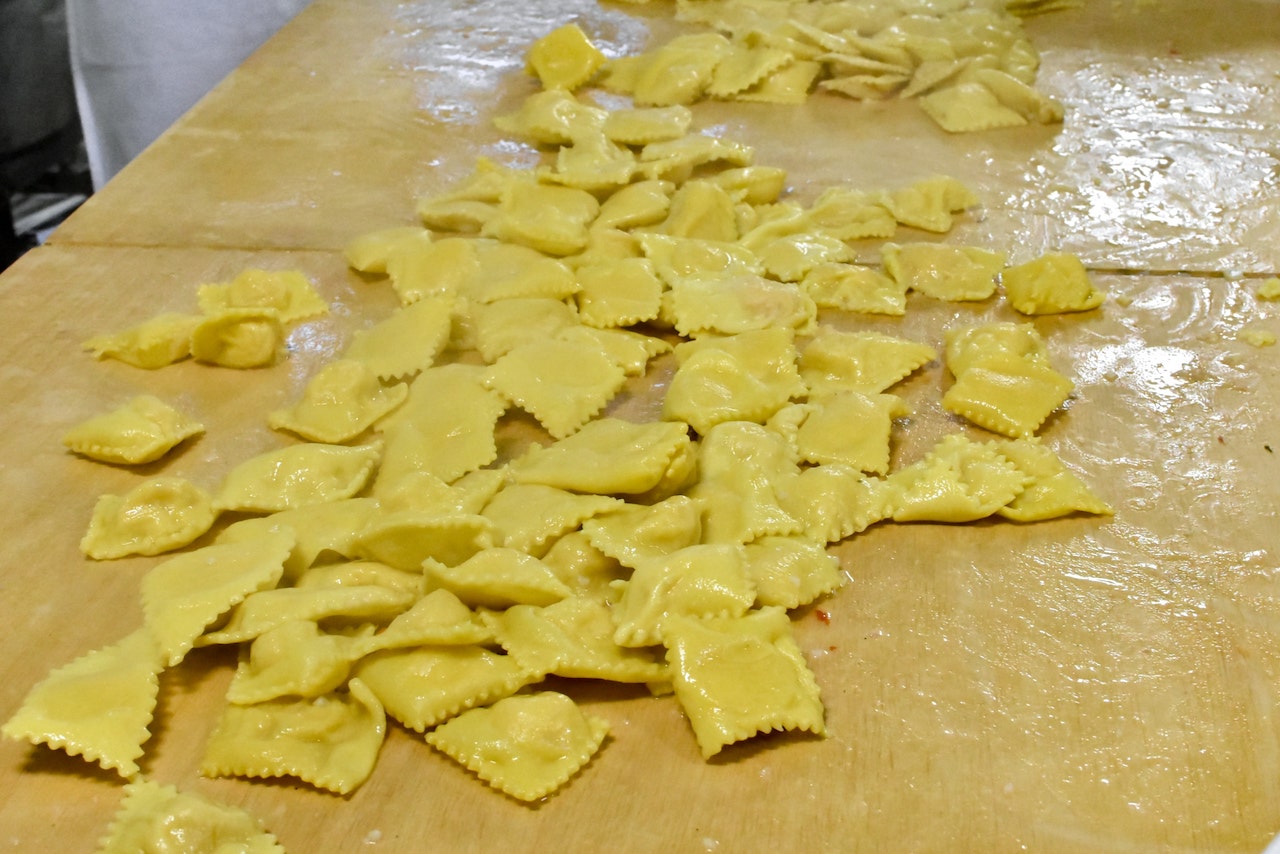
1083	684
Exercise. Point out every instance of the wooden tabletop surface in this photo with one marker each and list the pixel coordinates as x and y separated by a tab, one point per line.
1086	684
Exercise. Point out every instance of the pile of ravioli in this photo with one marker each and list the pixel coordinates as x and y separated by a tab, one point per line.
968	64
390	563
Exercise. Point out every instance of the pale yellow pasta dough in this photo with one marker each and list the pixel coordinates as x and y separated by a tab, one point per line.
958	481
833	501
788	572
317	529
552	117
157	818
187	593
497	578
703	580
564	58
156	516
98	706
298	476
852	287
728	305
527	746
370	252
405	538
739	676
607	456
154	343
1054	489
294	658
340	402
330	742
618	293
744	377
423	686
638	532
530	516
264	610
407	342
869	362
562	384
1053	283
286	292
238	338
549	219
142	431
438	268
944	272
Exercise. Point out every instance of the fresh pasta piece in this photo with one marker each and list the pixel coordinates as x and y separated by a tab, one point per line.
958	481
643	125
586	569
701	210
156	516
439	268
703	580
593	163
678	72
832	501
744	66
928	204
406	538
676	158
500	327
293	659
531	516
370	252
340	402
358	573
850	214
789	84
851	287
788	572
286	292
675	259
608	456
153	817
744	377
790	258
638	204
956	273
736	677
142	431
1051	284
752	185
969	345
497	578
298	476
552	117
446	441
639	532
631	350
265	610
869	362
437	619
619	293
741	465
98	706
1022	98
507	271
562	384
238	338
728	305
572	638
154	343
549	219
330	742
849	427
527	746
407	342
968	106
187	593
316	528
1007	394
423	686
1053	491
564	58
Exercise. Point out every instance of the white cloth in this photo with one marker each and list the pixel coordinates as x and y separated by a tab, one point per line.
140	64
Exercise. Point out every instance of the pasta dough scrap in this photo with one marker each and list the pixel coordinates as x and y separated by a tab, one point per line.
407	342
744	377
286	292
330	742
340	402
736	677
527	746
156	516
1051	284
98	706
298	476
944	272
154	343
142	431
958	481
423	686
572	638
238	338
563	384
189	592
609	456
155	817
1054	489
